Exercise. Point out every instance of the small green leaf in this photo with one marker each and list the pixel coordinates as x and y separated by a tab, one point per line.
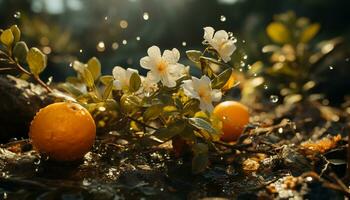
94	67
170	131
71	89
152	112
16	33
88	78
20	51
105	80
134	82
194	55
202	124
278	32
309	32
129	103
191	107
7	37
108	91
219	81
36	60
200	148
199	163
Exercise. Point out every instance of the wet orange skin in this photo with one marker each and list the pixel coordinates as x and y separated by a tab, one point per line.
234	117
63	131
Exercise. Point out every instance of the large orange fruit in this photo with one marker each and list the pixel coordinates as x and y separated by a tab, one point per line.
63	131
234	117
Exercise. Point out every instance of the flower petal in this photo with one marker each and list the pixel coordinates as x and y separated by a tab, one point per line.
216	95
227	50
146	63
153	77
117	84
220	36
118	72
206	106
154	52
208	33
172	56
189	90
168	80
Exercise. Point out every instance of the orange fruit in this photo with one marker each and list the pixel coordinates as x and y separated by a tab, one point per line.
63	131
234	117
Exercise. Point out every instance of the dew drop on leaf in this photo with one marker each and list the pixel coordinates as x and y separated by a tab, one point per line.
145	16
17	15
222	18
125	42
273	98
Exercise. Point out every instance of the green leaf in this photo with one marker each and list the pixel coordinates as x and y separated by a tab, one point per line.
278	32
16	33
191	107
94	67
194	55
170	131
134	82
36	60
199	163
202	124
152	112
71	89
7	37
309	32
200	148
108	91
105	80
88	78
20	51
129	103
219	81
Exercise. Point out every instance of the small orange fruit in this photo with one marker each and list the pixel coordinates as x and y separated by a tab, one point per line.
63	131
234	117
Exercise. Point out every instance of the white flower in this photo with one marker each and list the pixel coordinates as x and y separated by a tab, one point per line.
122	77
201	89
148	86
221	42
164	68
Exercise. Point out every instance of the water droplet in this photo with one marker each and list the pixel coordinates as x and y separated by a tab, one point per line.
17	15
138	38
222	18
243	41
240	69
80	51
100	46
249	67
4	195
123	24
266	87
129	61
70	64
280	130
145	16
161	189
331	67
125	42
347	59
106	18
255	74
273	98
234	40
115	45
47	50
245	57
49	80
184	43
230	34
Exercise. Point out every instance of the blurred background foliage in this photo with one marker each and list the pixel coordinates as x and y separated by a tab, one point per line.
118	32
